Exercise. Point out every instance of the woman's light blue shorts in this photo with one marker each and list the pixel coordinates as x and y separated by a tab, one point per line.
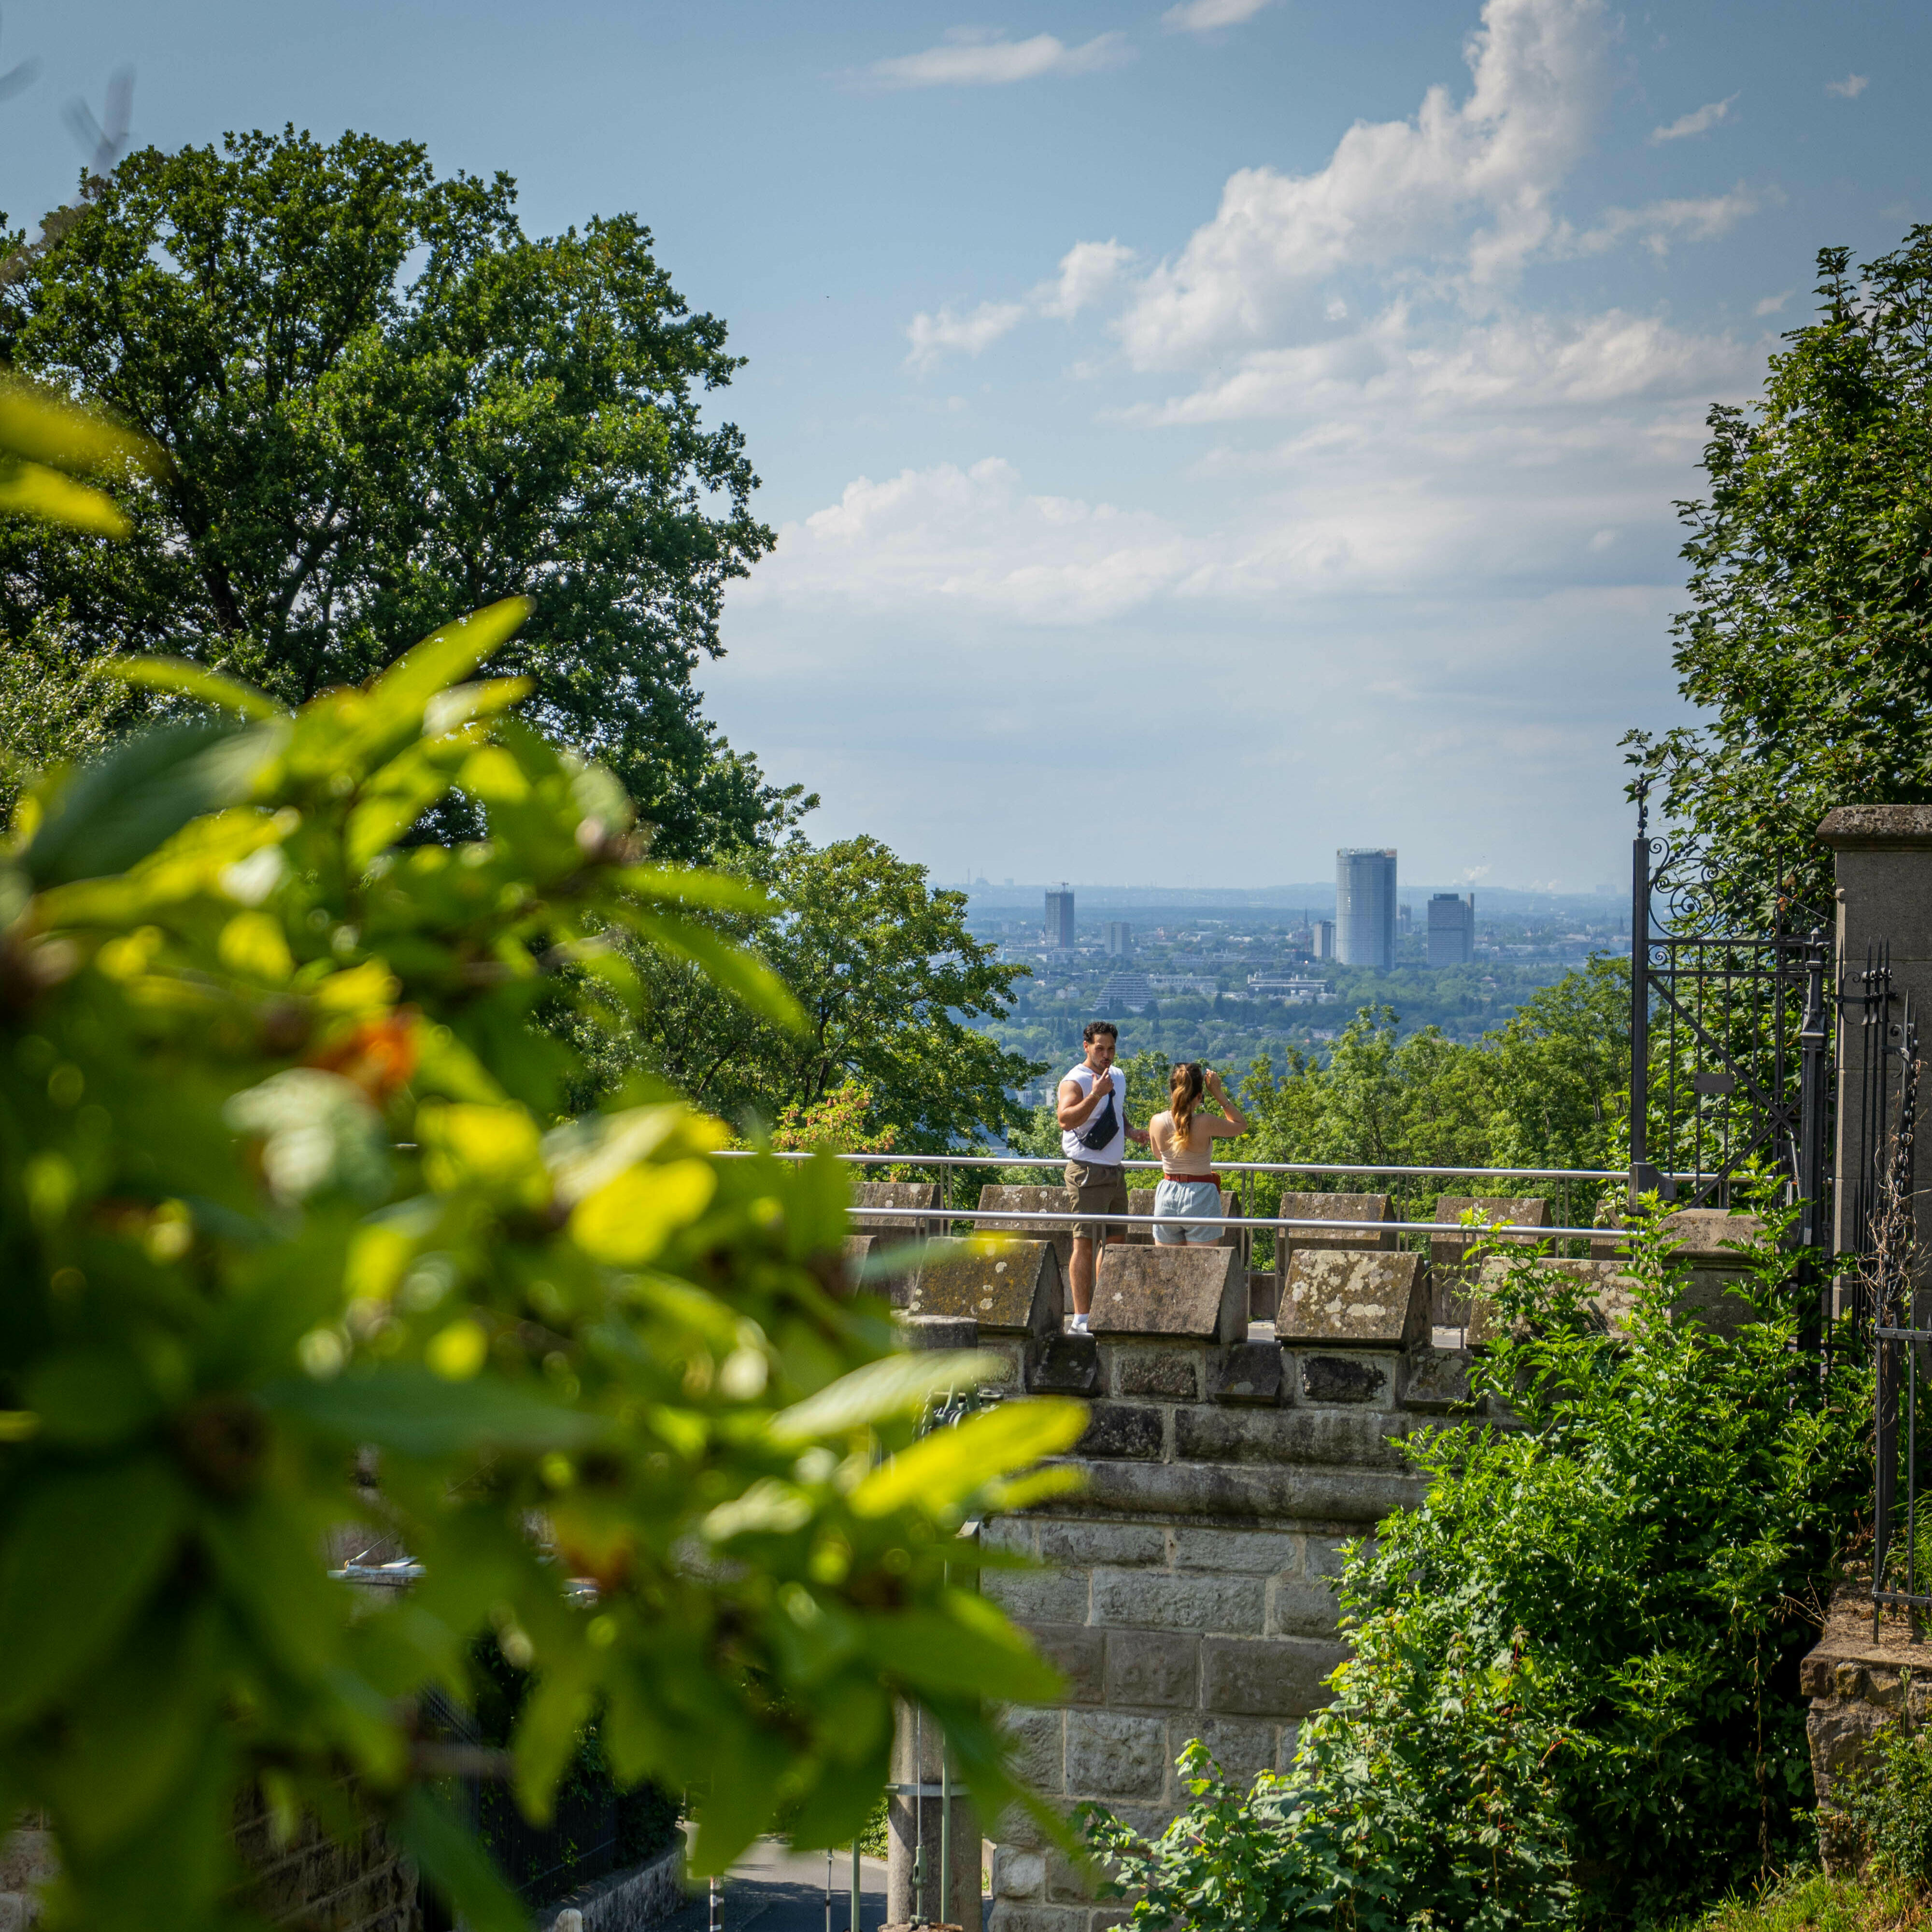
1188	1202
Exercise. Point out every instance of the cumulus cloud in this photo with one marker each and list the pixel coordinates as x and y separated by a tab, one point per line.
974	57
1658	223
1468	182
1203	16
1698	121
974	538
1850	87
1088	271
1771	305
945	333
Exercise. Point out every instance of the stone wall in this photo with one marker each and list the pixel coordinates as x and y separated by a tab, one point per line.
1188	1591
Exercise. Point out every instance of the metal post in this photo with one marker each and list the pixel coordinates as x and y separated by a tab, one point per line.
945	1833
855	1886
1643	1176
828	1888
717	1907
1813	1043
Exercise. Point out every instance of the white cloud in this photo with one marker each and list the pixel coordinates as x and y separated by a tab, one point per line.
1771	305
1519	363
1658	223
1850	87
1203	16
1087	271
934	336
974	57
974	538
1470	180
1698	121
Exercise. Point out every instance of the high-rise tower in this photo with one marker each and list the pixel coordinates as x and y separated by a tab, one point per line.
1059	916
1365	906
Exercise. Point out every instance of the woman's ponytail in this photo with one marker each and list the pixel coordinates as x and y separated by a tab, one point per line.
1183	1090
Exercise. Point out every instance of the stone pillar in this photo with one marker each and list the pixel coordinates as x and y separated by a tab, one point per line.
915	1824
1884	867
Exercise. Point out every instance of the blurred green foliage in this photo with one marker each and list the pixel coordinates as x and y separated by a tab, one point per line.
298	1255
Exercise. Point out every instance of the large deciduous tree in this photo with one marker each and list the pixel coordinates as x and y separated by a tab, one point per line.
1807	646
384	404
888	977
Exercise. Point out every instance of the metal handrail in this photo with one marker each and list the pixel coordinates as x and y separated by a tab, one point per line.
1059	1219
1220	1166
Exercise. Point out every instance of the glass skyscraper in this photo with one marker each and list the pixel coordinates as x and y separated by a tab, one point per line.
1365	906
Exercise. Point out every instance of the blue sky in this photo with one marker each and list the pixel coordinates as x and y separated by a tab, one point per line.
1200	435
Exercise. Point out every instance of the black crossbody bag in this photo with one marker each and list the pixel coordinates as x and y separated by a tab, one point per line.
1103	1127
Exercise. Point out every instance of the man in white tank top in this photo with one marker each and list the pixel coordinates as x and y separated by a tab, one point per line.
1092	1110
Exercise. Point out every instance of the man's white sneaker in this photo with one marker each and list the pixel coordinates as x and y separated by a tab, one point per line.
1079	1324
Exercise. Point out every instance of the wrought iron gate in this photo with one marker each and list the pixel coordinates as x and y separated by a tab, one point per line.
1729	1044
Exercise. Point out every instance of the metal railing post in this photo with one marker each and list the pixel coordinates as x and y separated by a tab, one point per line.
1643	1177
1813	1046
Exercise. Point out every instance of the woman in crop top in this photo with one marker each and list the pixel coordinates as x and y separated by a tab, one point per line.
1189	1197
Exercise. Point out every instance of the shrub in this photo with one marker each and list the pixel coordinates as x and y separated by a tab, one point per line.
297	1255
1575	1664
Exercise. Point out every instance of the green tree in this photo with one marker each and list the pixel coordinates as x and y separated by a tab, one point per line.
886	973
1807	646
382	403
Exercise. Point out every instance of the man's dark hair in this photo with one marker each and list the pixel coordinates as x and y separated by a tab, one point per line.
1096	1027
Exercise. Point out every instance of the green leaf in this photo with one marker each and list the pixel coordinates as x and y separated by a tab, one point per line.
443	659
684	885
81	1553
47	429
28	490
450	1857
978	1655
949	1464
900	1385
111	814
418	1413
193	680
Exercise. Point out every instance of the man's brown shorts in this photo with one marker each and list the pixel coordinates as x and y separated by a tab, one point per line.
1099	1190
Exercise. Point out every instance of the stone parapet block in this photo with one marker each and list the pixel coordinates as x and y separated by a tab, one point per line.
1249	1494
1031	1199
1608	1287
924	1194
1160	1371
1008	1287
1195	1293
1354	1378
1066	1365
1250	1374
1357	1300
1448	1253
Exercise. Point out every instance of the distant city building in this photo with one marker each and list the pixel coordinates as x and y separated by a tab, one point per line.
1119	939
1452	929
1127	992
1059	916
1365	906
1275	986
1323	947
1183	983
1402	917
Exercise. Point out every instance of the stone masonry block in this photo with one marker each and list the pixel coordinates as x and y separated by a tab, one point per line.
1323	1491
1032	1199
1154	1600
1362	1380
1242	1747
1302	1606
1079	1653
1017	1874
27	1858
1174	1374
1357	1441
1324	1557
1015	1917
1037	1737
1147	1667
1266	1551
1249	1372
1008	1287
1113	1543
1038	1596
1066	1365
1336	1207
1201	1294
1267	1677
1358	1300
1131	1429
1438	1381
1110	1755
1289	1738
1068	1883
1017	1533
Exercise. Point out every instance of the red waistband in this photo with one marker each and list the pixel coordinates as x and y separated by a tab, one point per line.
1215	1177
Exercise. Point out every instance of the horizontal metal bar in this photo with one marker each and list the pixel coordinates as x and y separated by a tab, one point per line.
1917	1600
1061	1218
927	1791
1882	1334
1221	1166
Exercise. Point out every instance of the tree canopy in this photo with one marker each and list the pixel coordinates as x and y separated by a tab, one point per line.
382	404
1807	646
886	974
